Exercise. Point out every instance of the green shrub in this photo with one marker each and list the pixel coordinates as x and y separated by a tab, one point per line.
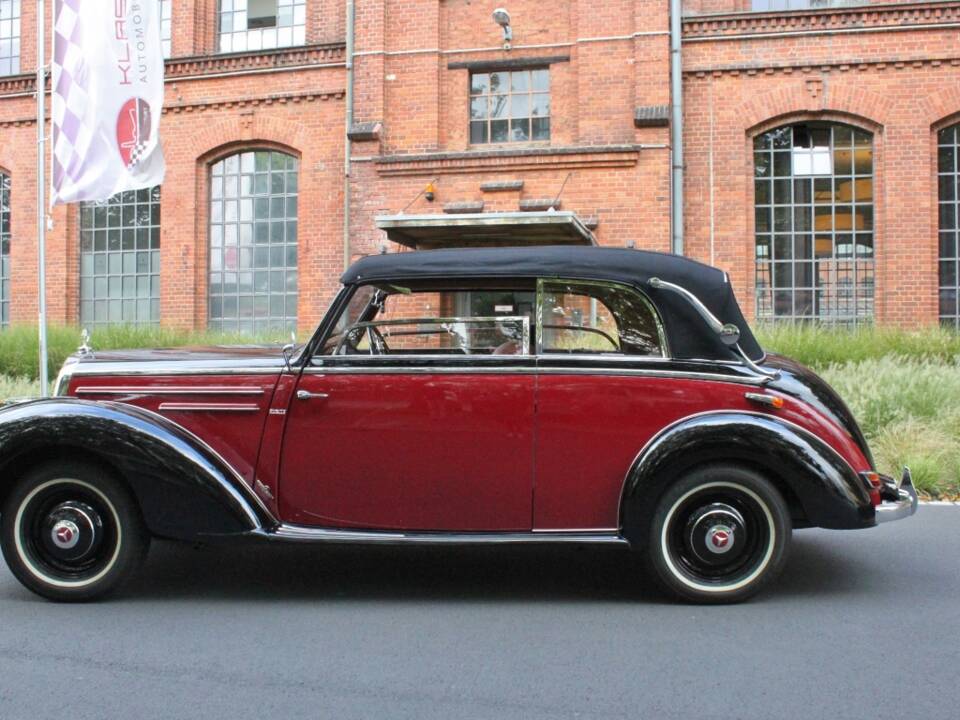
820	345
909	409
19	344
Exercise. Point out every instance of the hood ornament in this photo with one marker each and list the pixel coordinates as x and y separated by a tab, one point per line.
85	350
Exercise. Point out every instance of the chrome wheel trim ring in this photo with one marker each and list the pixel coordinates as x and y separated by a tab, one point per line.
717	588
25	556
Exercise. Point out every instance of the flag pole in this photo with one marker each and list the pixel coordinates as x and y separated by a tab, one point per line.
41	199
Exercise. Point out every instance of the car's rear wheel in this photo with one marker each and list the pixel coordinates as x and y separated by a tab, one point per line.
719	534
71	531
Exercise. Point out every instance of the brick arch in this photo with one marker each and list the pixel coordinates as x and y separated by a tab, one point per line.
247	131
814	99
941	108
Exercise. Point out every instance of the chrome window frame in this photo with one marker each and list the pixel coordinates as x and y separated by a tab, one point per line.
522	319
618	356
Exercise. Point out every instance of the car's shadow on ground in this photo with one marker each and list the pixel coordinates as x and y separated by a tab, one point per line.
256	572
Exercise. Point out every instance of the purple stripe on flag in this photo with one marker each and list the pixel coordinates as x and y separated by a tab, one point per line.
71	126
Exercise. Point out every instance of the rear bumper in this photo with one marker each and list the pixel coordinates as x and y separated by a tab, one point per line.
898	499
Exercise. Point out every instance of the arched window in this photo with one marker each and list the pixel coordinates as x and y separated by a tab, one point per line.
120	259
813	185
4	249
253	242
949	179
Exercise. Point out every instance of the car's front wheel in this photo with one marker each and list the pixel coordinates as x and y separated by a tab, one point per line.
719	534
71	531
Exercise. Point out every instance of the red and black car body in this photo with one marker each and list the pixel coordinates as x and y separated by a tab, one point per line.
628	403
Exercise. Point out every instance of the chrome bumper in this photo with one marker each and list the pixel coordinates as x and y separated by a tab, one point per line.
899	500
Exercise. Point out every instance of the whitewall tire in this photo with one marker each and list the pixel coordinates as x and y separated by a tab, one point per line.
719	535
70	531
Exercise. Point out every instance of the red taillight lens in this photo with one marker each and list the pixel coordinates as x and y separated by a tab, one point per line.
873	482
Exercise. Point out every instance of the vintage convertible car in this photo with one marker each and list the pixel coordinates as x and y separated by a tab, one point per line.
521	395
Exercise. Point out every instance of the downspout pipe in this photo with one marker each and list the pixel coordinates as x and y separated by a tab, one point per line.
347	147
676	128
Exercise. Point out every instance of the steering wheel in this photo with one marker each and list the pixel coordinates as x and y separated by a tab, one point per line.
378	345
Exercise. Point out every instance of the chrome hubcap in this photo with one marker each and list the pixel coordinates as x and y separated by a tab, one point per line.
71	532
716	534
66	534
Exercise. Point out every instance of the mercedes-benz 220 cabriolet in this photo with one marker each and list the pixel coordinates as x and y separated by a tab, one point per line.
490	396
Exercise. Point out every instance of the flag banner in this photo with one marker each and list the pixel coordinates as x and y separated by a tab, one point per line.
107	94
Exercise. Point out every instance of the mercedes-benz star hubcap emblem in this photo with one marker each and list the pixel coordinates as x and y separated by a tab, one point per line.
66	534
720	539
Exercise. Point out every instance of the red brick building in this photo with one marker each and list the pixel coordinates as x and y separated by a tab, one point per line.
820	162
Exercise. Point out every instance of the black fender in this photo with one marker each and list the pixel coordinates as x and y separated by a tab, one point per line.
830	493
184	488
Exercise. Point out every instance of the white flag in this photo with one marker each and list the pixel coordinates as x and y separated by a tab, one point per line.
107	96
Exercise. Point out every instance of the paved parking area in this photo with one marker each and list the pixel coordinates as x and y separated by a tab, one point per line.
862	625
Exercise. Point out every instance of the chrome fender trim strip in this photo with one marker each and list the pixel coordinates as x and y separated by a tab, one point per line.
208	407
301	533
167	390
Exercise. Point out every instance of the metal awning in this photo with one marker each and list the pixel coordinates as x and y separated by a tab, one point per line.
505	229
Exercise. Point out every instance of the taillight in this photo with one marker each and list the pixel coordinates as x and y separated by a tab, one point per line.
873	483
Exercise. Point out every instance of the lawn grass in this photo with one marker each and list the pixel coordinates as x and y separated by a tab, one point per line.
909	409
902	386
819	346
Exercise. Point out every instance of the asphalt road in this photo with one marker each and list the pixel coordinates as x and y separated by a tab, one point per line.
861	625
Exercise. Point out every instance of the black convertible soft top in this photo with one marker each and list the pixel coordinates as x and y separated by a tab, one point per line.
687	333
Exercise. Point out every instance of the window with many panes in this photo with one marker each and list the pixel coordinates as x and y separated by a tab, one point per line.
9	37
253	242
165	20
261	24
120	259
814	223
948	169
4	249
509	106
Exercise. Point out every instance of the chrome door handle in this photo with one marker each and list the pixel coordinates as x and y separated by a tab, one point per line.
307	395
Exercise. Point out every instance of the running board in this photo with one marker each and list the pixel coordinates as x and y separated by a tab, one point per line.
301	533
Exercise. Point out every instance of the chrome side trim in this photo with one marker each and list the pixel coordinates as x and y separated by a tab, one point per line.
531	370
167	390
304	533
169	367
242	492
210	407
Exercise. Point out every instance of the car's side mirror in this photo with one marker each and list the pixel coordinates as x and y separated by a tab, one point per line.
729	334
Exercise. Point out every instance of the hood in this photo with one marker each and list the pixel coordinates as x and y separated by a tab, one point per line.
206	360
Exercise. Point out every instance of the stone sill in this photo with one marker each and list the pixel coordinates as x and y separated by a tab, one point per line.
197	66
849	18
440	163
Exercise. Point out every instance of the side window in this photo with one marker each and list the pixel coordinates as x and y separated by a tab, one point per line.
580	317
399	321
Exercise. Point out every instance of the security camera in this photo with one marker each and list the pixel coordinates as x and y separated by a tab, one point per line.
502	18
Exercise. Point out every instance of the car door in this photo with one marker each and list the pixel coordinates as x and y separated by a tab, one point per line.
413	422
603	391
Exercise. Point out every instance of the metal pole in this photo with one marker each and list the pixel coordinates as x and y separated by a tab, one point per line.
41	199
676	127
348	100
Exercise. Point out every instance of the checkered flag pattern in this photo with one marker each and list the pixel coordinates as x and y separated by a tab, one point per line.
93	82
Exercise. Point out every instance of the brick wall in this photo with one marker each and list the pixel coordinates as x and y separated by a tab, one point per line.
743	79
890	68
